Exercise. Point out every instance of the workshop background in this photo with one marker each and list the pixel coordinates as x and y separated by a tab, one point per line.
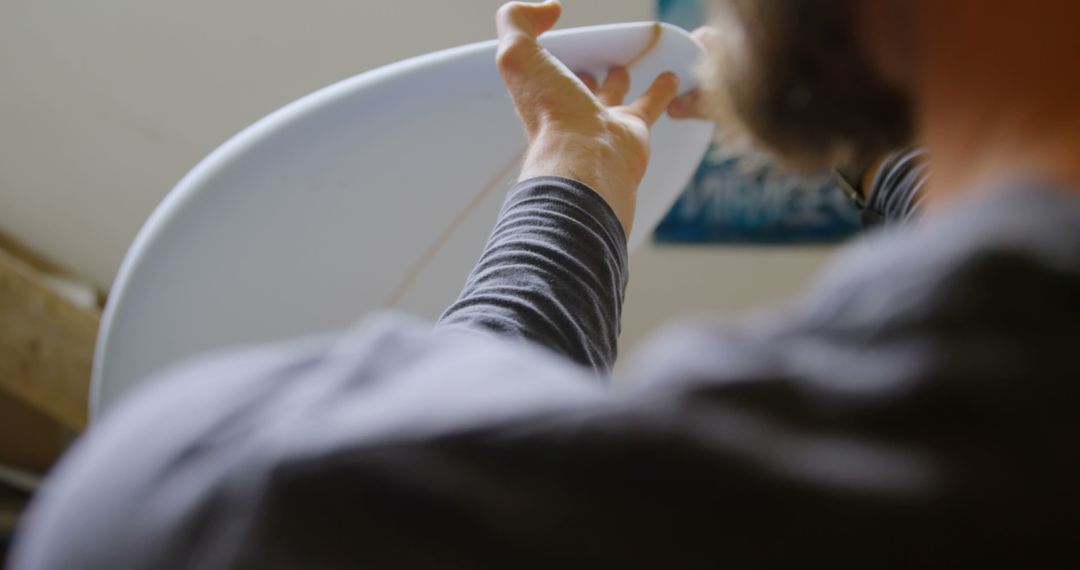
105	105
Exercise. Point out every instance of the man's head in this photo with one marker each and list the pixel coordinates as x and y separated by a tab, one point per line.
798	78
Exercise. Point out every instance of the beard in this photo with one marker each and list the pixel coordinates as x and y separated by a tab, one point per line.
788	78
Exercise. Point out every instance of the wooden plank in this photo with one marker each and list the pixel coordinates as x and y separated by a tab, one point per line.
40	264
29	439
46	344
27	255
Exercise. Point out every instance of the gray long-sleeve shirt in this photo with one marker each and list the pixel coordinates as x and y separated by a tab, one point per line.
918	407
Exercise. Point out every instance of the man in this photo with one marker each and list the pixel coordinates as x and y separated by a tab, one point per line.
916	408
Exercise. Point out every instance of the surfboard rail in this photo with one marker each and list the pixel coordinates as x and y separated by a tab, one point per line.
278	206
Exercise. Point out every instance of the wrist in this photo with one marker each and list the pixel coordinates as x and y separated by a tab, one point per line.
590	161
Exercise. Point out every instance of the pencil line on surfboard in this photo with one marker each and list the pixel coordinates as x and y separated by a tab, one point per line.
657	32
421	264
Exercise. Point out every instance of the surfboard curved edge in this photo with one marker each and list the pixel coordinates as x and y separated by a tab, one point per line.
367	194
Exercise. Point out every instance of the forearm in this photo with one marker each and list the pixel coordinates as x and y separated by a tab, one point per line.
554	272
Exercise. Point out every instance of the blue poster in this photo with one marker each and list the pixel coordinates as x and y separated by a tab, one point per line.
730	201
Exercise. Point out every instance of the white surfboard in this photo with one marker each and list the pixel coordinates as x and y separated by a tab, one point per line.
377	192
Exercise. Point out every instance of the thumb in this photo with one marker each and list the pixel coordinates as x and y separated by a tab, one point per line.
526	19
519	23
521	60
650	106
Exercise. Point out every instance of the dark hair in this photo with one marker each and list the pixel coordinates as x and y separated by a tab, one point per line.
791	76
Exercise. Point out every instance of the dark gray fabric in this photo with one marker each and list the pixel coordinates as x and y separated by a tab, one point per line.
916	408
895	194
553	272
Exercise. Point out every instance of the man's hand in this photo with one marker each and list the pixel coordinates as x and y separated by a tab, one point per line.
692	104
576	128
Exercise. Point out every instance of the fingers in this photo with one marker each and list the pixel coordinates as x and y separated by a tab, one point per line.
656	99
686	106
589	80
707	35
616	84
519	23
651	105
691	105
526	18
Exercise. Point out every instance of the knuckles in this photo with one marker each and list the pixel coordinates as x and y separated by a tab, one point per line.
508	11
513	52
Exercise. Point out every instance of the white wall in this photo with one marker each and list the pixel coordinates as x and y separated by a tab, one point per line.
668	282
104	105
